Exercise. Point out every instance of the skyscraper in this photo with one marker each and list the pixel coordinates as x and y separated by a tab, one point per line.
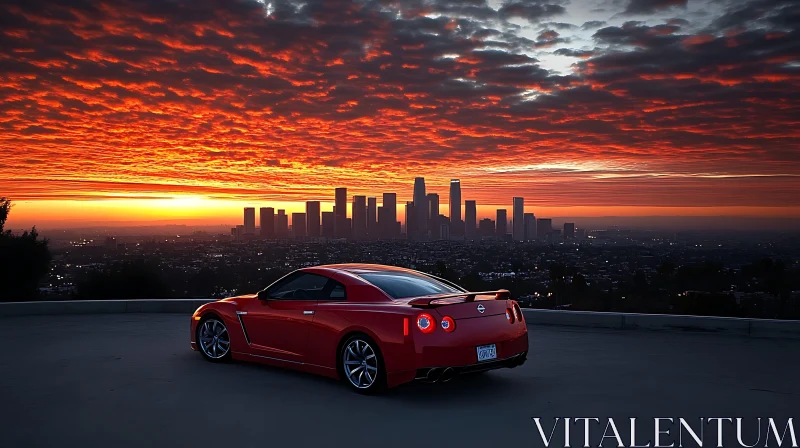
486	228
267	222
381	223
372	222
544	228
518	224
328	224
389	224
420	211
249	220
530	226
282	224
359	217
341	213
470	220
312	219
455	208
433	216
411	223
299	225
502	223
569	230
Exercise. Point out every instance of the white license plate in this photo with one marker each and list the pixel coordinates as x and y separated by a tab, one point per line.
487	352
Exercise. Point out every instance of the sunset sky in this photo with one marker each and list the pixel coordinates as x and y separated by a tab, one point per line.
150	110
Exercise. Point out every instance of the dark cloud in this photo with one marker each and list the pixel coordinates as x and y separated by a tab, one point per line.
574	53
592	24
778	13
652	6
561	26
677	22
531	10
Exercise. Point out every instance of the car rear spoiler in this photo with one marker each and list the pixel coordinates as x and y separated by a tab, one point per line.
427	301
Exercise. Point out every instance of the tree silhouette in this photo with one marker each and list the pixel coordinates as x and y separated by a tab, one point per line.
24	260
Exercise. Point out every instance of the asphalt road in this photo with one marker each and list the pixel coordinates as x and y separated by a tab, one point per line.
131	380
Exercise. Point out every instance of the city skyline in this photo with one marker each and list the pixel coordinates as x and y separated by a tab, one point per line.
423	221
121	111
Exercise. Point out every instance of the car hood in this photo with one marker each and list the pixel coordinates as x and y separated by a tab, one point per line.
245	296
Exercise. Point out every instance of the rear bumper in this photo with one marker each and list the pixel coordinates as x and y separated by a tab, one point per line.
444	374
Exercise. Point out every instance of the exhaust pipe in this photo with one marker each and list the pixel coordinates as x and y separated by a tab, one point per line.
433	375
447	375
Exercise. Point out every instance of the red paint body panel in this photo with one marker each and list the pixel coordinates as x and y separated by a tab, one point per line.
285	332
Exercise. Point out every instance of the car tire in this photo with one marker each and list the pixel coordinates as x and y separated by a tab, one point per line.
213	339
361	365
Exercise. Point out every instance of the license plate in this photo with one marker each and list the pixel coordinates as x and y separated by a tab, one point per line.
487	352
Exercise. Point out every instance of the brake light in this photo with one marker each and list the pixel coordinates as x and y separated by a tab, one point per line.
425	323
518	312
405	326
510	315
448	324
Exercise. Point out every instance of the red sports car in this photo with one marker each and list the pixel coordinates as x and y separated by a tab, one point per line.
372	326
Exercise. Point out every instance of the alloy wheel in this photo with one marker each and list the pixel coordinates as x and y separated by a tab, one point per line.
360	363
214	339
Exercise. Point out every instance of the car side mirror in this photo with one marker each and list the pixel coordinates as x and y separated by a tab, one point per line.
262	295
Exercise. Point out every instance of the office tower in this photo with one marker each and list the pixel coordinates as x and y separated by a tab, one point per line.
502	223
455	208
282	224
312	219
267	221
328	224
411	222
486	228
470	219
530	226
249	220
372	215
444	223
433	216
544	227
239	232
389	224
359	217
569	230
381	223
518	223
420	210
299	225
340	209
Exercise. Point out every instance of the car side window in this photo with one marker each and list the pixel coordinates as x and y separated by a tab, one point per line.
337	291
302	286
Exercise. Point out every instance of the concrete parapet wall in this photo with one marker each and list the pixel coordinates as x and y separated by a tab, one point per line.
622	321
665	322
100	307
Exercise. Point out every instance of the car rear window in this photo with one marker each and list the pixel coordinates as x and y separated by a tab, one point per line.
401	285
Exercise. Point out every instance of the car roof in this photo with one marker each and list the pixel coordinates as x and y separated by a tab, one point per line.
363	268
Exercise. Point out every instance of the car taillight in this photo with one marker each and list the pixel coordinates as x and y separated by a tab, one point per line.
448	324
425	323
517	312
510	315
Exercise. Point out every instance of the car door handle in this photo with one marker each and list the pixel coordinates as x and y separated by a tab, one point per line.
308	312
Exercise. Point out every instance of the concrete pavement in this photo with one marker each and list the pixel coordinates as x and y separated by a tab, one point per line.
131	381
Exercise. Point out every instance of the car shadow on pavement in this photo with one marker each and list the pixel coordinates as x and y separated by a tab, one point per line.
469	386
